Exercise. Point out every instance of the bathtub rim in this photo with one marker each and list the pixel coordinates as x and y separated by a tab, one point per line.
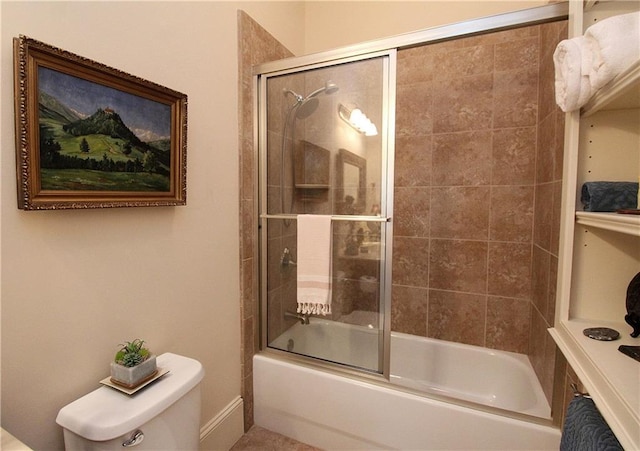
366	377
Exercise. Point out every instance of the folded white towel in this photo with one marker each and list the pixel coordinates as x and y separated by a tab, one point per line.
586	63
314	264
615	45
572	60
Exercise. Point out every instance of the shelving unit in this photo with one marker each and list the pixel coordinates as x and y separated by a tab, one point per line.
622	94
629	224
600	252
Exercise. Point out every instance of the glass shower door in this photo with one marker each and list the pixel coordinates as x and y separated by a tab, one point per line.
324	150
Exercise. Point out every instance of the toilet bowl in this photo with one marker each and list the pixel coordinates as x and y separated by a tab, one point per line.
163	415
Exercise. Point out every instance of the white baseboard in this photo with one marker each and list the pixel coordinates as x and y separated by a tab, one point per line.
223	430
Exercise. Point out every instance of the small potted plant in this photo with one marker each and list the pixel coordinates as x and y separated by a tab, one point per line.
133	364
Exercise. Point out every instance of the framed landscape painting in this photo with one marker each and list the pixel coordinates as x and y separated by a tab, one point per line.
90	136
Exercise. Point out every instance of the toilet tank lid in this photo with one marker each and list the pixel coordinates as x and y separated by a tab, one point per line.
105	413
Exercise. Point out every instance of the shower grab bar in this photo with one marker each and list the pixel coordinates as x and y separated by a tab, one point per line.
335	218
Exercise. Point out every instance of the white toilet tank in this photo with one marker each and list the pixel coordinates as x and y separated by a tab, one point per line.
163	415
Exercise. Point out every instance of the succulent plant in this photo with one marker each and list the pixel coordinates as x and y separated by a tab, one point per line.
132	353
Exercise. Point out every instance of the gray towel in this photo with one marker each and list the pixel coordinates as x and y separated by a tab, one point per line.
609	196
585	429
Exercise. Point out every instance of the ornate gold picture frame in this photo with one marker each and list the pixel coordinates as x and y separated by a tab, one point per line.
91	136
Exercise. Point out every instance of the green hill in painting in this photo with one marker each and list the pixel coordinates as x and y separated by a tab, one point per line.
99	144
103	122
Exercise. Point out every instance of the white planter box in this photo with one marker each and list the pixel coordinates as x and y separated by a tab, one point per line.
131	377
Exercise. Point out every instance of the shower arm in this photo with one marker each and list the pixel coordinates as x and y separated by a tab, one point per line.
297	96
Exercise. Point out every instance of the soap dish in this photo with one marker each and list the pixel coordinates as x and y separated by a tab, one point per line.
601	333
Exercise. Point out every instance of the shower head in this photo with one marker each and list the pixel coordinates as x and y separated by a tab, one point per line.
305	106
331	88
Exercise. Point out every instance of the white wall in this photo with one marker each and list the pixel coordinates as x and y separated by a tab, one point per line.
339	23
77	283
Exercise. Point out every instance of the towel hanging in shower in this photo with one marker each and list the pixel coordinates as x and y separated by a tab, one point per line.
314	264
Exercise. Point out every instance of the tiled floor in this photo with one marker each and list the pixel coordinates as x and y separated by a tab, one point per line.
260	439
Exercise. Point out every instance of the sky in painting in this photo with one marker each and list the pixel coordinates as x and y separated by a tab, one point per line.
86	97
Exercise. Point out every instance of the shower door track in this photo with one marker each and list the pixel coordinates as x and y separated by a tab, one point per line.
335	218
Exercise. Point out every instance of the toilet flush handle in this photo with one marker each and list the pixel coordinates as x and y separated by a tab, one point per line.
136	439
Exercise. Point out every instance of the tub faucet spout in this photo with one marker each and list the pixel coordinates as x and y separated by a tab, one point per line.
303	318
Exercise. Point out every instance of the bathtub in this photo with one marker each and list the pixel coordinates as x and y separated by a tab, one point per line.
485	376
334	411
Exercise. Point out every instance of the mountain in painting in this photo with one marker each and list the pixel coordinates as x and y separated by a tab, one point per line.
103	122
51	108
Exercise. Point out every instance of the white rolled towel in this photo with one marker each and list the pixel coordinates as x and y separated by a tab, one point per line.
572	61
615	45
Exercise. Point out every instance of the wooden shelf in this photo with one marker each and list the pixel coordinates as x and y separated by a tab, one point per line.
623	92
612	378
600	252
588	4
628	224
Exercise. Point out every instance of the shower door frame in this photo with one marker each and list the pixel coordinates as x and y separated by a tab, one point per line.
387	135
505	21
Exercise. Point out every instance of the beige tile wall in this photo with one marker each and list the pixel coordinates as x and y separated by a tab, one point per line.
550	149
477	185
256	46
